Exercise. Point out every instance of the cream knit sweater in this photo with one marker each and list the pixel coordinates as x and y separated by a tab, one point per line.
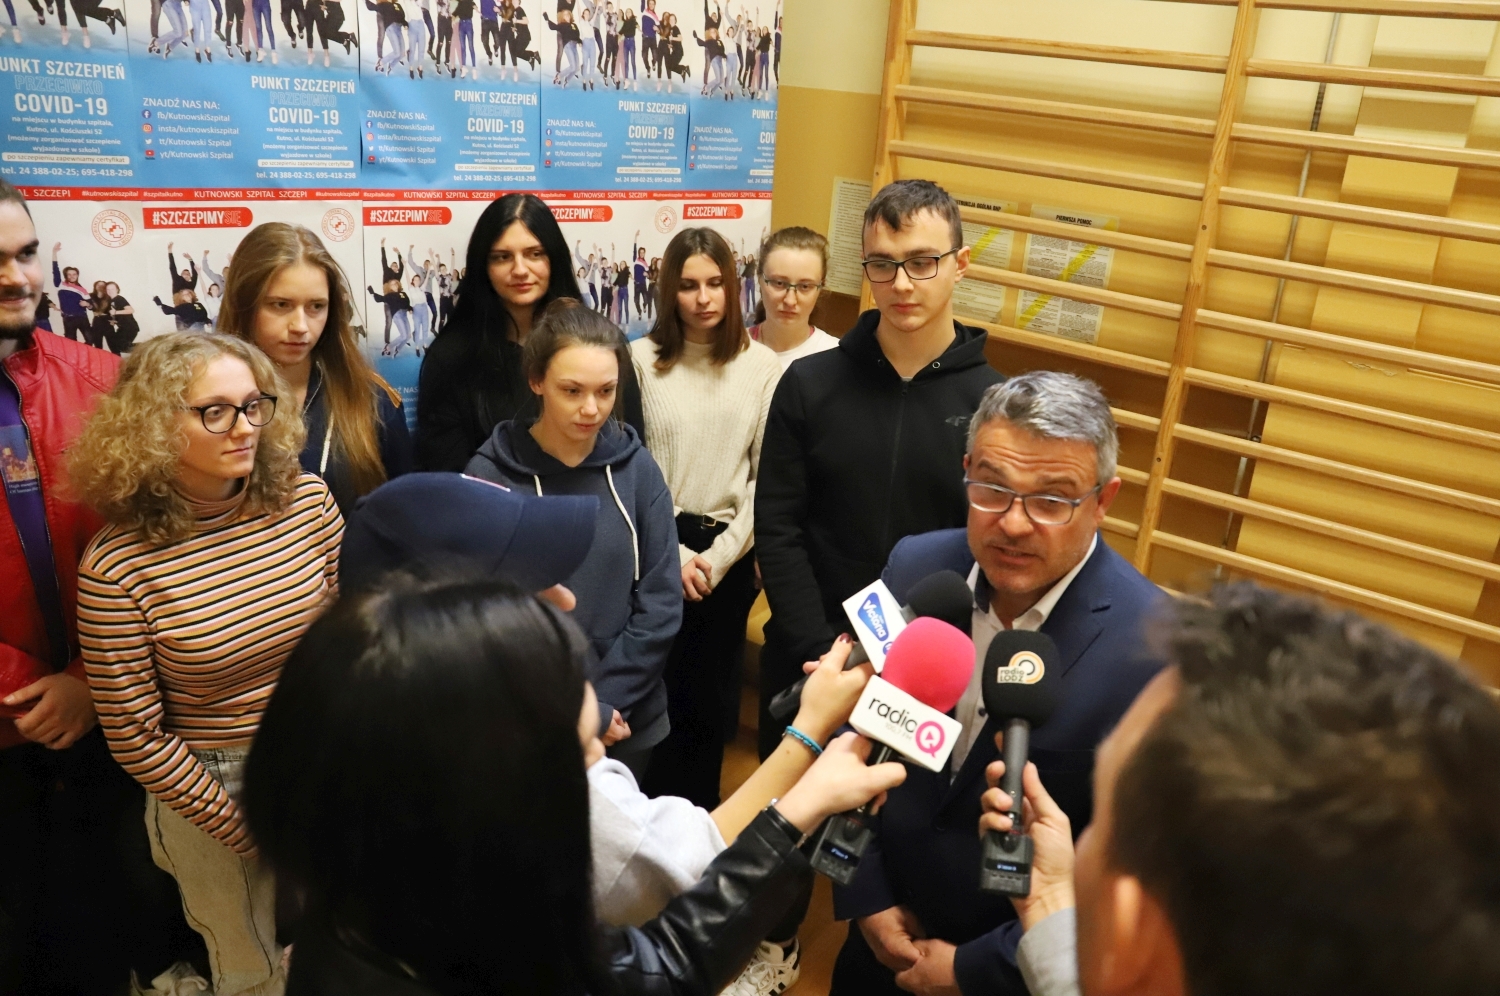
704	426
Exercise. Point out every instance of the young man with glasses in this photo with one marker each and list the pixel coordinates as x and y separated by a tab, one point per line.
1039	480
864	444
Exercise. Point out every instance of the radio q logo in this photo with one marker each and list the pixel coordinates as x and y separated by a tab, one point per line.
929	738
874	617
1023	668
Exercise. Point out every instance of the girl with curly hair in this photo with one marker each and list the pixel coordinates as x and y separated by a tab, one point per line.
288	296
218	554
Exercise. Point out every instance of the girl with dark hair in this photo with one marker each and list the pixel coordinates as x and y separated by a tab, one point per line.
517	263
443	54
672	39
418	846
520	48
101	329
707	388
123	316
629	600
463	17
287	295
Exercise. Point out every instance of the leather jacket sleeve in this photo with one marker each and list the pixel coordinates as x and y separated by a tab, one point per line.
706	935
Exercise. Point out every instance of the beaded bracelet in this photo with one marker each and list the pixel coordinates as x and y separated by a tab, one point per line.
809	742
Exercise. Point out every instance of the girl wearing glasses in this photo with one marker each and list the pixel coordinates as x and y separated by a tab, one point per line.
705	389
793	264
286	295
218	553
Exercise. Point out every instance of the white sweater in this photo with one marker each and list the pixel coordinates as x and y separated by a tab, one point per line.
704	425
646	851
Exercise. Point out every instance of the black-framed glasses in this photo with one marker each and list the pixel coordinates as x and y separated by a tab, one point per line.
804	288
220	418
883	271
1044	510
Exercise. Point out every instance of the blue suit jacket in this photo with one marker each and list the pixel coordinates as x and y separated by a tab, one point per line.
926	854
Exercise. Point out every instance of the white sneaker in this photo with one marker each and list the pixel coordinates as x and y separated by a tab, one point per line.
179	980
770	971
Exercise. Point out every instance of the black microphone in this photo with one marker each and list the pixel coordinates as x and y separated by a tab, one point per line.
944	595
1020	683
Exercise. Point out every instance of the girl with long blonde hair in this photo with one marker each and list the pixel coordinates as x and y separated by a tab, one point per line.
217	554
288	296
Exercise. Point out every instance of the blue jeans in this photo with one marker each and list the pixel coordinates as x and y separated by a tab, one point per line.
466	42
203	23
265	35
173	10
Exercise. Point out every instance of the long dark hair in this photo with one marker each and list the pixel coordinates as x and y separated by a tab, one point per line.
479	313
471	376
730	337
569	323
417	776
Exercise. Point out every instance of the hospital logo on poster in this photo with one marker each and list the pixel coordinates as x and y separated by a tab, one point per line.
666	219
338	224
112	228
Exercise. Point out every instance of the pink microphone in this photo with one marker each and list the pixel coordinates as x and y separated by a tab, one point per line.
904	709
932	661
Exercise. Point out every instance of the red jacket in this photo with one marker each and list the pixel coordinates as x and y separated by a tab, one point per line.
59	381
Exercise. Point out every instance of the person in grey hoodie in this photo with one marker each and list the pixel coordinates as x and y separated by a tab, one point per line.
629	587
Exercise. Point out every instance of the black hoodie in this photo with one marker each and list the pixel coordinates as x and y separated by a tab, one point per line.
854	459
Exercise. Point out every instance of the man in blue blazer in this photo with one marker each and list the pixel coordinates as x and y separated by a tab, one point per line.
1040	476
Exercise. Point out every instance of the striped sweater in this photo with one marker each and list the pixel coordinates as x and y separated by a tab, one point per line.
184	643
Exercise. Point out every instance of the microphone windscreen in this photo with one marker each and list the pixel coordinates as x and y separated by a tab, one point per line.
946	596
932	662
1021	676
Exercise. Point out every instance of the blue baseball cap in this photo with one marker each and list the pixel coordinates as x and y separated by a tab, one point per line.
441	523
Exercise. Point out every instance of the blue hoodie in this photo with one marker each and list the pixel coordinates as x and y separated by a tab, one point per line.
630	623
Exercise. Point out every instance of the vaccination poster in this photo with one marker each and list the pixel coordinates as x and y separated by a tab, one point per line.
151	135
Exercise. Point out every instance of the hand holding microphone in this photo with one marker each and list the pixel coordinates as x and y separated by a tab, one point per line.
1051	835
905	709
840	779
833	687
944	595
1019	683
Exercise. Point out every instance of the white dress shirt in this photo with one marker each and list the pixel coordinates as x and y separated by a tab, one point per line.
971	712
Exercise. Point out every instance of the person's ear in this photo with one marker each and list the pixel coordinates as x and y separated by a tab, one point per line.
1107	495
1143	955
961	261
535	385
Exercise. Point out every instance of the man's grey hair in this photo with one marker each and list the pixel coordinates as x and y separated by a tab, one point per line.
1053	406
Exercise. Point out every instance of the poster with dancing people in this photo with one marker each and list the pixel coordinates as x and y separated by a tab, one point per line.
439	112
66	77
234	93
151	135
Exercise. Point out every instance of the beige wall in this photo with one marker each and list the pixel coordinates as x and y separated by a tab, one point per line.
832	62
831	58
